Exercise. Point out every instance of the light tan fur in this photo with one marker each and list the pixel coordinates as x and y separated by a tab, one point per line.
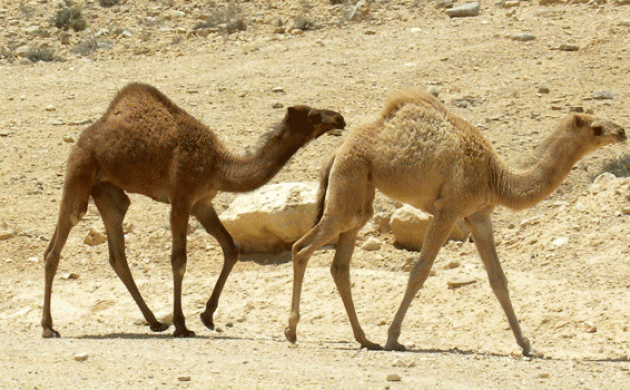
419	153
146	144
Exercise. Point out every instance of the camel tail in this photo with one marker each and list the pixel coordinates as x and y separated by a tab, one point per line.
323	188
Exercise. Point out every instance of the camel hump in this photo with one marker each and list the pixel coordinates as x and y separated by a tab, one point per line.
398	99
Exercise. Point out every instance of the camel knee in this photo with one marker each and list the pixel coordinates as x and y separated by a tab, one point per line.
498	283
338	270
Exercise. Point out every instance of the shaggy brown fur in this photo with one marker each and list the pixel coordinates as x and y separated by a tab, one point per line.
419	153
145	144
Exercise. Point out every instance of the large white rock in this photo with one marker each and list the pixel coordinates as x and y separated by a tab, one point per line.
409	226
273	217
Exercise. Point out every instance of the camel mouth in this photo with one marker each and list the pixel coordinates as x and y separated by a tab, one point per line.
621	136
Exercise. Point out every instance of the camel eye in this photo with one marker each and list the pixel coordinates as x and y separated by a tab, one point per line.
598	130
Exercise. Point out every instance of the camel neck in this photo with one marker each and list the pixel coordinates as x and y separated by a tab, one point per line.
540	176
246	173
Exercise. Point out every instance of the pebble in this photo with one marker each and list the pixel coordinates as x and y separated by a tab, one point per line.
523	37
68	139
277	105
602	95
567	47
394	378
94	238
460	281
278	90
6	234
183	378
70	276
465	10
371	244
81	357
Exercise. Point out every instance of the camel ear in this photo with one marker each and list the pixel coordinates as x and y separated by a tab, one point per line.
578	121
315	117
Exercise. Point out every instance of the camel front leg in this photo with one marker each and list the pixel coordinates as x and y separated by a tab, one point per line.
340	271
209	219
482	231
437	234
179	226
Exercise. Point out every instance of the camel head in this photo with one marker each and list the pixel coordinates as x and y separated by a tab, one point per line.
311	122
594	132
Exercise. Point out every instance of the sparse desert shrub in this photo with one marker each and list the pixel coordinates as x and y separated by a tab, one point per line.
45	54
108	3
230	18
304	23
69	18
619	166
85	48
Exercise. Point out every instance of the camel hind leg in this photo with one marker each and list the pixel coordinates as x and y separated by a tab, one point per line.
74	203
112	204
340	271
348	207
302	251
437	234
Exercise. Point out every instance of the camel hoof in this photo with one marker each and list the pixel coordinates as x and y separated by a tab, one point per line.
290	334
370	346
395	346
50	333
207	322
158	327
184	333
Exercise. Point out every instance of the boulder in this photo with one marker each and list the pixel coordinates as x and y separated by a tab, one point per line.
271	218
409	226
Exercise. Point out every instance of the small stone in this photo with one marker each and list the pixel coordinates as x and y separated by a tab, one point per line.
567	47
469	9
68	139
625	210
5	234
444	4
517	354
50	108
590	327
510	4
398	363
457	282
371	244
278	90
277	105
433	90
543	375
558	242
394	378
95	238
183	378
81	357
523	37
370	32
453	264
70	276
602	95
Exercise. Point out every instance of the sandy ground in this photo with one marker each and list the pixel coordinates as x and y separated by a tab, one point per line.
566	259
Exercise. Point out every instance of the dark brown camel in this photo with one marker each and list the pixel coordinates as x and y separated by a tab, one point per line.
146	144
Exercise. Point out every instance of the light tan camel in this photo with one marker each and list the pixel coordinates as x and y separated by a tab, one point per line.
145	144
419	153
